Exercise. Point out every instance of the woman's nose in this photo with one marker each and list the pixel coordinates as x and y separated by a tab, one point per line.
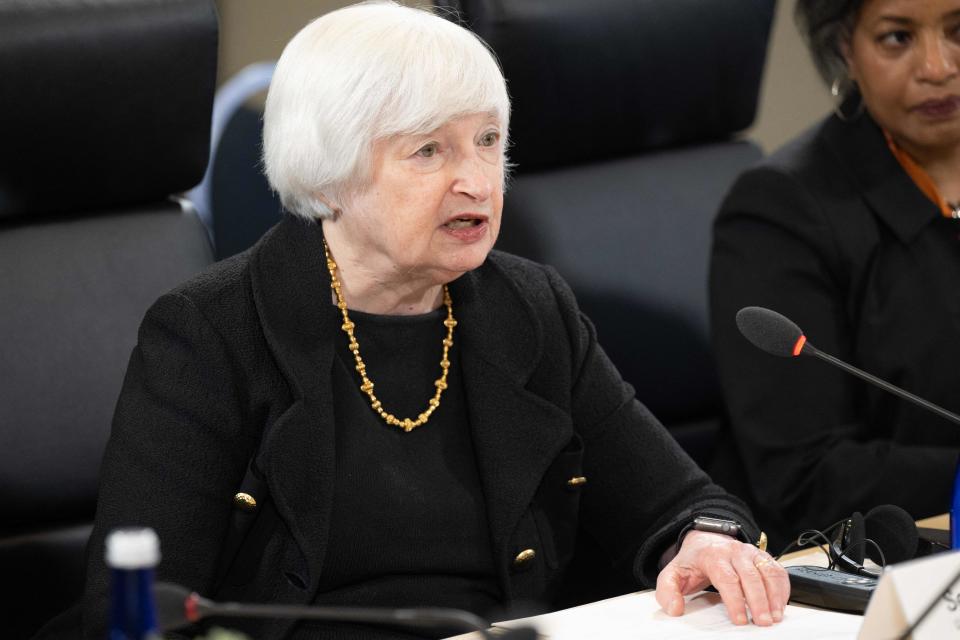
940	60
474	178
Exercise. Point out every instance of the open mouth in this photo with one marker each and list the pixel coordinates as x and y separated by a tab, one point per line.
463	223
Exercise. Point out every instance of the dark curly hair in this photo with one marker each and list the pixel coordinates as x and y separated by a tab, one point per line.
826	24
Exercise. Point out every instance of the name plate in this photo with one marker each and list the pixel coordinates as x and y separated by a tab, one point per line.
906	590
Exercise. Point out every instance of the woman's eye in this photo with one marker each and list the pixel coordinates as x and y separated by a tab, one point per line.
428	150
489	139
894	39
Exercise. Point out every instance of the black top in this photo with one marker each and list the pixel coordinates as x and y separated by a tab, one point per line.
230	388
421	488
832	233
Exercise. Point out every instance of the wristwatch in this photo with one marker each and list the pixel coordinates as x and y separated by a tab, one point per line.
730	528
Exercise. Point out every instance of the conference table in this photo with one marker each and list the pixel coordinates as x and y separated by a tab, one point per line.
637	615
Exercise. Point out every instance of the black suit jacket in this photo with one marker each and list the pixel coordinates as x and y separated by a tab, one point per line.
229	388
832	233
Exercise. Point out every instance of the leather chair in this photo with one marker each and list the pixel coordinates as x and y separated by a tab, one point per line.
624	136
234	200
105	112
625	115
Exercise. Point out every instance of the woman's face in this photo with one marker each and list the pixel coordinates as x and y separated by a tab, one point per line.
904	55
431	210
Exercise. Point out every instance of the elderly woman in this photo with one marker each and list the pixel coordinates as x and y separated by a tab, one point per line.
851	231
370	407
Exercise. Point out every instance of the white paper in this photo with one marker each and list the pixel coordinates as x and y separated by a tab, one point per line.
637	616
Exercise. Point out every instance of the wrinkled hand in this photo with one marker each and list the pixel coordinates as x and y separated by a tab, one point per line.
743	575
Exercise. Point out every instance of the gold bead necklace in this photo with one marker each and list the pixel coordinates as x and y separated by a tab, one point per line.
366	384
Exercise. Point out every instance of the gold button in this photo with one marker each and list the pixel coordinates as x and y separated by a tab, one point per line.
244	501
762	542
524	558
576	481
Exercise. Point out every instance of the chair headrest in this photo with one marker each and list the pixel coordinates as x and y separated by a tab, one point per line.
607	78
103	102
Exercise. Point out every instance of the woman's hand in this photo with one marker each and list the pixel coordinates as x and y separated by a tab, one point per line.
743	575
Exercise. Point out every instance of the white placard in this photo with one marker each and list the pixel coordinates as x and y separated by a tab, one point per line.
905	591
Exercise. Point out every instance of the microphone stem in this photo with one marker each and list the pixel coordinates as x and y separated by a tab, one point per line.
809	349
438	616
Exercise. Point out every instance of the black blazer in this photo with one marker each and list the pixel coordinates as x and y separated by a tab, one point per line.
229	389
832	233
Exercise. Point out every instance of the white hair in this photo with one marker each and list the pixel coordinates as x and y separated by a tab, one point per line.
360	74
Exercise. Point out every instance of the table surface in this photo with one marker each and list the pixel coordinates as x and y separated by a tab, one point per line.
806	556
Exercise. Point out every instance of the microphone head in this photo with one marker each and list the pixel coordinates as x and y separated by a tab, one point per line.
894	531
770	331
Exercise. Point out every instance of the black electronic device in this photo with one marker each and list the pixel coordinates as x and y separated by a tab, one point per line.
847	550
830	589
932	541
886	534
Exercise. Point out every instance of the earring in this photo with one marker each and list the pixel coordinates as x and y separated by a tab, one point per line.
844	90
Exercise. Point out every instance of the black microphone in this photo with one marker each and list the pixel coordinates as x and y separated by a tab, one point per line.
846	551
895	532
850	585
890	528
178	606
779	336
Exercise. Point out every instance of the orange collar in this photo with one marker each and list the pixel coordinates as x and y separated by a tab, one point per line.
920	177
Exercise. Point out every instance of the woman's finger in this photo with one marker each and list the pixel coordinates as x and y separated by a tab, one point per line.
726	581
670	590
754	587
777	581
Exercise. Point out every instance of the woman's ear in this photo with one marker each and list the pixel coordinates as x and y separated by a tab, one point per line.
334	210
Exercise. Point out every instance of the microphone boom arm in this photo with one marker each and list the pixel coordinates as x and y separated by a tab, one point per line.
810	350
195	607
437	616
